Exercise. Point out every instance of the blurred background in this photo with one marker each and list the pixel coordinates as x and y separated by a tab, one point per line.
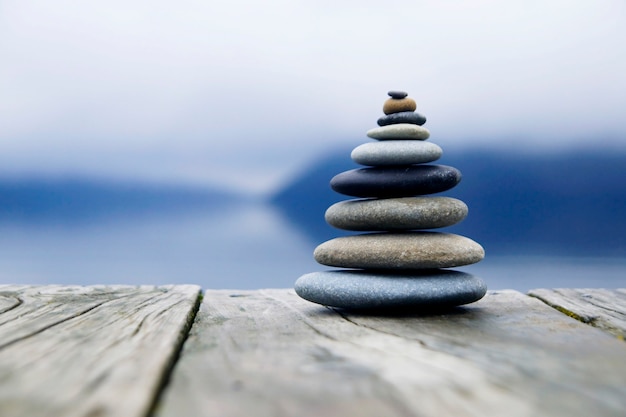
192	142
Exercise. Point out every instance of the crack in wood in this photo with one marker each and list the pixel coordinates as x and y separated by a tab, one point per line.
598	308
268	353
90	351
583	319
594	299
301	315
139	326
175	357
18	302
345	317
51	325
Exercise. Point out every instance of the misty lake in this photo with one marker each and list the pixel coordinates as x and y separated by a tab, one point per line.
239	245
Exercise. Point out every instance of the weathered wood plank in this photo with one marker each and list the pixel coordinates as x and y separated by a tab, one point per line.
269	353
88	351
601	308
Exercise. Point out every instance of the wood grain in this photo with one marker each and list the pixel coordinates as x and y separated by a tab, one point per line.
601	308
270	353
88	351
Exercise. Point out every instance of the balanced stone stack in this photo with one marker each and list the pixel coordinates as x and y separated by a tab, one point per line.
398	265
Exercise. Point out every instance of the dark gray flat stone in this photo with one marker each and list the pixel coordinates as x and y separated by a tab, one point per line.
396	181
369	290
397	94
402	117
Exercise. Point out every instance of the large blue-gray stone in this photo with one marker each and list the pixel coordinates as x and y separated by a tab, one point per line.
402	117
371	290
404	181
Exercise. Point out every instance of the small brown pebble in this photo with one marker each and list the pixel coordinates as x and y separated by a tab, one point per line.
393	105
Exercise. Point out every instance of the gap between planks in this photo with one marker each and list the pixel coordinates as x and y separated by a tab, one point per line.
92	351
46	312
269	353
598	307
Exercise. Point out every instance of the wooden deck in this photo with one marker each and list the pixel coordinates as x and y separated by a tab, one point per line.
118	351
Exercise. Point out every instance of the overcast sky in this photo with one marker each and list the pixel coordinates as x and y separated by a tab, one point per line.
243	93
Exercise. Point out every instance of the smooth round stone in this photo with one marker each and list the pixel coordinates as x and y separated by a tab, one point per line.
396	152
397	94
402	117
410	250
399	131
390	214
402	181
394	105
384	290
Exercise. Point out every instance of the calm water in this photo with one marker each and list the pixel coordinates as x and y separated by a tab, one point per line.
241	246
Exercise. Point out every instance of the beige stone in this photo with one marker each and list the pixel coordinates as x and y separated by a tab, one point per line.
411	250
394	105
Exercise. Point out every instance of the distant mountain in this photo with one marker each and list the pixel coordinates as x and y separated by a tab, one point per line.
564	204
78	201
305	200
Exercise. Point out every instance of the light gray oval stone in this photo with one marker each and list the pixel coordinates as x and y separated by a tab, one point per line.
385	290
399	131
396	152
396	213
410	250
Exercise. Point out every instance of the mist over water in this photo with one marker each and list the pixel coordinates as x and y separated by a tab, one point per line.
239	245
544	222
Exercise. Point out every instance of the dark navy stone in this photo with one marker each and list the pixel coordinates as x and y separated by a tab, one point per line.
397	94
400	181
402	117
383	290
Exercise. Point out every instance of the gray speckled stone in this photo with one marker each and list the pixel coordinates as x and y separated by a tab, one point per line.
372	290
396	213
396	152
399	131
410	250
402	117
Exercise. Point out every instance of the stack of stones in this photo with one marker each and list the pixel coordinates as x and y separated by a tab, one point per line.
398	265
